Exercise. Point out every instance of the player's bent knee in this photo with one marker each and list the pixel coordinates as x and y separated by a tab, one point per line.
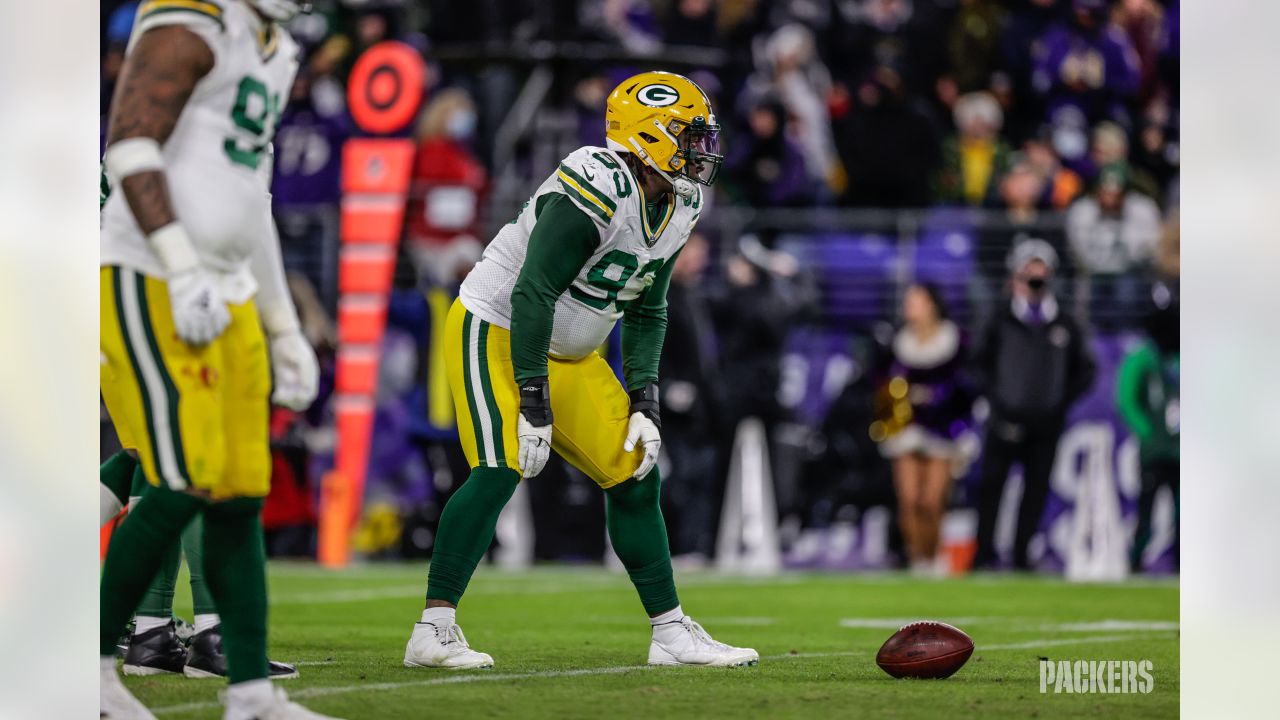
638	491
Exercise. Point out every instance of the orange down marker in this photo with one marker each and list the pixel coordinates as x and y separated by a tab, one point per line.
384	94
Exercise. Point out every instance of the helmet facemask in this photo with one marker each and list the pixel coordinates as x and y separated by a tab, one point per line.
698	157
281	10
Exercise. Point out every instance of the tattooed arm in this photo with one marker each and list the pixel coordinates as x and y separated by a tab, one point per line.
158	76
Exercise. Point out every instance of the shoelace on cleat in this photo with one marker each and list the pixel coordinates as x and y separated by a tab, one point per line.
452	634
702	636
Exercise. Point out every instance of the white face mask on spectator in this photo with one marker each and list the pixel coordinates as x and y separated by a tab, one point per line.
461	125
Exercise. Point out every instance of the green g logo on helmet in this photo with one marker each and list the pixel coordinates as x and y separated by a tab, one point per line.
666	121
658	95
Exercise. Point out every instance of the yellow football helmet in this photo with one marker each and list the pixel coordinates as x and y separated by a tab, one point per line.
666	120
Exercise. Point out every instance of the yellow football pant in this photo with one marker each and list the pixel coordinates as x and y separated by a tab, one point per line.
590	406
197	416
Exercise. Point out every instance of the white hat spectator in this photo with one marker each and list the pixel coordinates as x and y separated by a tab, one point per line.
1031	250
978	114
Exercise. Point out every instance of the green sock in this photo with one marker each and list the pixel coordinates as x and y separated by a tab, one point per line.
137	550
117	473
157	602
639	537
466	530
193	548
235	566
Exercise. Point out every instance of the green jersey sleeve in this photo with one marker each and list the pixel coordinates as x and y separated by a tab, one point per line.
644	328
563	240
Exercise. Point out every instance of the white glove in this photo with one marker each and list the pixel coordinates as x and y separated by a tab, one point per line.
199	311
535	446
640	429
295	371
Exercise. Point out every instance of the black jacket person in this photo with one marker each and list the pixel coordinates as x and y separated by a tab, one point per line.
1033	362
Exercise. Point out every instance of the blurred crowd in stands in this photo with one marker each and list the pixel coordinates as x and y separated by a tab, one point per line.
1038	138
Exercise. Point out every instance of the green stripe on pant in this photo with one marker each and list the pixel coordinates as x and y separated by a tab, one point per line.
170	388
476	426
491	400
117	291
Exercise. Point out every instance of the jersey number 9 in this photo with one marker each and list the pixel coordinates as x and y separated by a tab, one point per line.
256	112
611	274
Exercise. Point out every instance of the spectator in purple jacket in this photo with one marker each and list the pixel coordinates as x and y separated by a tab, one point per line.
928	409
1026	22
308	151
306	186
766	165
1087	64
1169	58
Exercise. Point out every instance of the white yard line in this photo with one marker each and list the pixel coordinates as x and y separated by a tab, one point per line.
304	693
1033	644
322	597
713	620
506	586
895	623
1017	623
1115	625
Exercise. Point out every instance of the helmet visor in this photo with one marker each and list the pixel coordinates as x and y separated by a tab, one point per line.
700	148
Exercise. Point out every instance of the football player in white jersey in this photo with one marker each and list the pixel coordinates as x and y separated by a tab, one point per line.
595	244
191	277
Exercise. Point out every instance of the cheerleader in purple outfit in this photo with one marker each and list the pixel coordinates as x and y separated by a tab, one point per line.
925	408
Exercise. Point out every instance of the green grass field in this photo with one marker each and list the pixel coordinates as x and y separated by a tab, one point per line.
571	643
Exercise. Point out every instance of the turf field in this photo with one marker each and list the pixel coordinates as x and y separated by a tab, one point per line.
571	643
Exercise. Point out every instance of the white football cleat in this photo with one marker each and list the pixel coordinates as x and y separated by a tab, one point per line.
442	646
115	702
277	707
684	642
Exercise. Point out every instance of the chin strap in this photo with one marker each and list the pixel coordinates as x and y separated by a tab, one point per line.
682	186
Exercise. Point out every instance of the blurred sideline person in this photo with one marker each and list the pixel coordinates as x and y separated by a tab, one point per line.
191	276
926	387
767	164
763	295
1147	398
596	243
691	398
976	158
1020	219
1033	362
449	182
1114	232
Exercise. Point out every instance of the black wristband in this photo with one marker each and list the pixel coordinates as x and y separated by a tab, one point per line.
645	401
535	401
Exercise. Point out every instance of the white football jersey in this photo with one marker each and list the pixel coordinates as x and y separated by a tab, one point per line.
630	252
217	160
